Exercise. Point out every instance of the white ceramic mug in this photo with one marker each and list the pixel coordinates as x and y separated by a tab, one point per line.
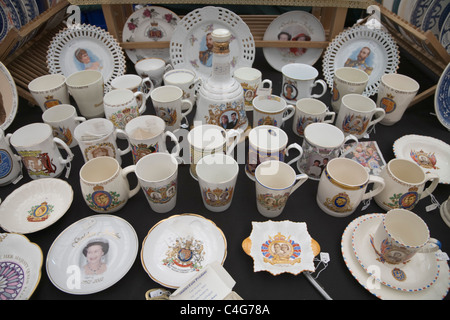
10	163
299	80
184	79
395	93
49	90
347	80
271	110
104	185
217	175
63	119
400	235
123	105
157	174
87	89
153	68
168	103
252	83
147	134
39	151
357	114
343	185
275	182
98	137
405	185
268	143
208	139
322	142
134	83
310	110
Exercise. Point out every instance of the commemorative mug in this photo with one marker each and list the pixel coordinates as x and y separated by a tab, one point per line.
49	90
322	142
275	181
157	174
343	185
104	185
271	110
268	143
10	164
39	151
395	93
134	83
169	105
347	80
153	68
217	175
400	235
251	81
147	134
87	89
310	110
405	185
97	138
184	79
208	139
123	105
299	80
357	114
63	119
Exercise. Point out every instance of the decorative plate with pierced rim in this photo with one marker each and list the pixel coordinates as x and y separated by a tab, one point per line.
149	24
190	48
86	47
370	49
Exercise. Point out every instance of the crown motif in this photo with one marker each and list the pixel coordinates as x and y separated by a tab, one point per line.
98	188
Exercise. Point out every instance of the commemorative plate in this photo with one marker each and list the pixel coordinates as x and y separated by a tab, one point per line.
442	98
9	98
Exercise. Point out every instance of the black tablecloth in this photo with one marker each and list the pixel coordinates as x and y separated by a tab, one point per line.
236	222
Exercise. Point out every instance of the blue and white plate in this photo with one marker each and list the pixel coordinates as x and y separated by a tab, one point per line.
419	11
442	98
435	16
444	37
31	8
8	18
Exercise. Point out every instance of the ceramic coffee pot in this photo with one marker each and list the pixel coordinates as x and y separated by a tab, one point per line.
221	97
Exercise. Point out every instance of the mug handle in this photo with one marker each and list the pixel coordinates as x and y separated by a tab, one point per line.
188	110
332	115
175	140
168	67
294	146
232	133
148	83
300	178
378	115
434	178
80	119
66	147
378	186
290	111
432	245
324	87
125	172
262	90
348	138
142	99
128	148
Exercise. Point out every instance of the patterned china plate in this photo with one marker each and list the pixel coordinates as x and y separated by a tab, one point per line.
300	25
435	16
281	246
370	49
420	273
9	97
109	242
444	36
104	53
149	24
431	154
179	246
442	98
20	266
35	205
188	47
437	291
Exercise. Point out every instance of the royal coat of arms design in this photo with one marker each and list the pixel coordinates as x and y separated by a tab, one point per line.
185	254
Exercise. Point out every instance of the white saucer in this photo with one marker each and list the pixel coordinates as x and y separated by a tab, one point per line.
445	214
418	274
436	292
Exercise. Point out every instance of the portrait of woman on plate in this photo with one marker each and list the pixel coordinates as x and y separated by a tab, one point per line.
86	60
95	257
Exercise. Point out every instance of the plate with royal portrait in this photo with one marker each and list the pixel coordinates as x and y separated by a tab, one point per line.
293	26
92	254
372	50
191	44
178	247
149	24
86	47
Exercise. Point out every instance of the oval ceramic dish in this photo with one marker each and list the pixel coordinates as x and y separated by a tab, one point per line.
68	260
20	266
36	205
178	247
